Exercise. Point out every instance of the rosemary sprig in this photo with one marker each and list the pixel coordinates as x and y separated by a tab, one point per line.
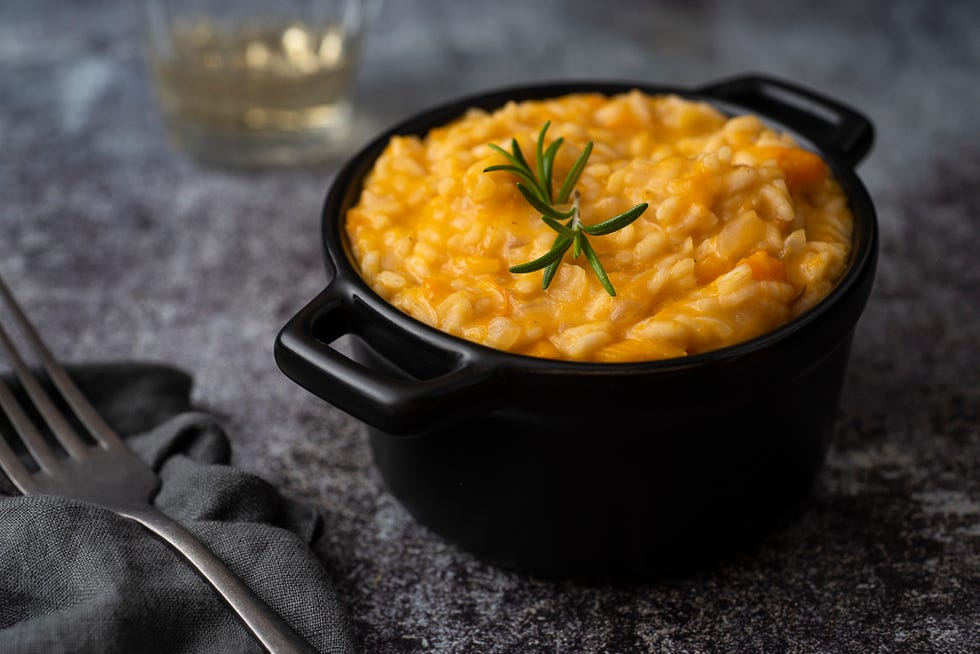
536	187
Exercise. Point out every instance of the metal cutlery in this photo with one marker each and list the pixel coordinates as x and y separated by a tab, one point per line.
109	473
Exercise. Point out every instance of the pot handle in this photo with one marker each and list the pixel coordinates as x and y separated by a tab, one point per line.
830	124
393	404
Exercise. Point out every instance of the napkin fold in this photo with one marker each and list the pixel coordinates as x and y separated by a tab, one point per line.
75	577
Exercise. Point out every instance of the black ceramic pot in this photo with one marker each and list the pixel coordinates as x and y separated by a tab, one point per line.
582	469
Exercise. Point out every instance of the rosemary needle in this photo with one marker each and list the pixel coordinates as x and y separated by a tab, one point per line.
536	188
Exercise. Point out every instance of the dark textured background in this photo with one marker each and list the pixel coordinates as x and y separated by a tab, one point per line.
122	248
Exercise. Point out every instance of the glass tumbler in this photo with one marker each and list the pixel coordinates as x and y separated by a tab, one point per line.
256	82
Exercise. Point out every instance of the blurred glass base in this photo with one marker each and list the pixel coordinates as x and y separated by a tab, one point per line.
259	148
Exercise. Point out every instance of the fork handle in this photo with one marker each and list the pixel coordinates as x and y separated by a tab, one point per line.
268	627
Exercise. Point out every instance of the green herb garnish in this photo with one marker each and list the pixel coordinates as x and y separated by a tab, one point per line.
536	187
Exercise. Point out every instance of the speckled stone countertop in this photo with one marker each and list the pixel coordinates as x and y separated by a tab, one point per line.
123	248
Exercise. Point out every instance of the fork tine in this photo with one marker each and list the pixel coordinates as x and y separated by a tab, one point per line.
14	469
45	407
79	404
29	434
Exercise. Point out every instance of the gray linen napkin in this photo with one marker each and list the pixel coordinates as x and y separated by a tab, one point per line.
75	577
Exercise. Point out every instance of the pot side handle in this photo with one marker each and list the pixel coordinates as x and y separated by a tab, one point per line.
830	124
392	404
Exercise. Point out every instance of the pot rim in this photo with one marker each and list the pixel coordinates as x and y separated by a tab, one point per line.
840	157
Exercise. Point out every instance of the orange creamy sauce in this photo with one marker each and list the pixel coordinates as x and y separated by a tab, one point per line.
744	231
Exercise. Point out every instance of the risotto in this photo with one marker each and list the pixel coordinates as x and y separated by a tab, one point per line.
744	231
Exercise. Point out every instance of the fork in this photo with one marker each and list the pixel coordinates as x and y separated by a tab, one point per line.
110	474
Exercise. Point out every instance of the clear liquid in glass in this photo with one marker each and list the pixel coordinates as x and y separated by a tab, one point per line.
257	94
